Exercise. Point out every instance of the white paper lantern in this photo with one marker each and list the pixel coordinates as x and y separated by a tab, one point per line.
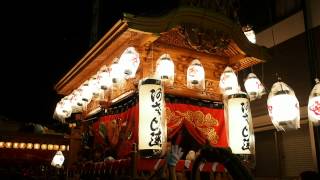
314	104
165	69
58	160
241	136
228	82
116	72
254	87
250	34
104	78
130	61
195	75
94	84
283	107
152	125
85	91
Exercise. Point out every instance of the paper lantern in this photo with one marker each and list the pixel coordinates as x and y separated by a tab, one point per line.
241	136
85	91
228	82
283	107
36	146
195	75
254	87
62	147
130	61
165	69
2	144
314	104
29	145
152	125
116	72
15	145
104	78
250	34
97	92
22	145
58	160
50	146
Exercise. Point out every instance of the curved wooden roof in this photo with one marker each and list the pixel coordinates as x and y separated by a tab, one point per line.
185	33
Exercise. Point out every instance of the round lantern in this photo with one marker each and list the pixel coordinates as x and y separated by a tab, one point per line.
104	78
86	92
283	107
130	61
241	136
254	87
116	72
95	86
228	82
58	160
165	68
195	75
314	104
250	34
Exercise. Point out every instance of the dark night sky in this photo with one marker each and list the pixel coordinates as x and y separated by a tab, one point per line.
42	40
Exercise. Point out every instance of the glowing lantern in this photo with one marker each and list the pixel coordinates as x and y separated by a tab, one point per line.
36	146
29	145
130	61
75	101
152	125
195	75
44	146
58	160
254	87
283	107
165	69
86	92
314	104
241	136
249	32
228	82
63	109
56	147
22	145
116	72
104	78
15	145
2	144
50	146
8	144
62	147
95	86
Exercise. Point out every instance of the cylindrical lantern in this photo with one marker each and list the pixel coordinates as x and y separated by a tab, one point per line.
22	145
97	92
152	126
228	82
165	69
241	136
254	87
130	61
283	107
314	104
250	34
195	75
57	160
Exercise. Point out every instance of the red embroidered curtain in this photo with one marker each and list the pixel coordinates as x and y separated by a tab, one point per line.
120	131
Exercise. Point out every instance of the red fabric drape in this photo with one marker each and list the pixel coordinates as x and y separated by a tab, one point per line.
120	131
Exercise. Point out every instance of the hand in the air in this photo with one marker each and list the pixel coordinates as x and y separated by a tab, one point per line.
174	155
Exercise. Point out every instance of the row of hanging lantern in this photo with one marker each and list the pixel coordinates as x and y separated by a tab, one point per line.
114	76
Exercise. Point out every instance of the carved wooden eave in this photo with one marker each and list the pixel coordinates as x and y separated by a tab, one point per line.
186	34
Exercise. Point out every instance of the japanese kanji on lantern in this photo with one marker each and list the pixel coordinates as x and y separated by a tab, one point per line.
240	134
152	125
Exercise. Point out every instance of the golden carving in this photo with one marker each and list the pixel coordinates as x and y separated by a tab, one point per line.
202	122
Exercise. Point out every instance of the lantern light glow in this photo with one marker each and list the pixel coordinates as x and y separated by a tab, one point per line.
195	75
165	69
314	104
130	61
254	87
283	107
228	82
58	160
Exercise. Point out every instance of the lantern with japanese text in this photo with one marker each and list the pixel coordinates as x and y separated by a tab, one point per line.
254	87
165	69
85	91
57	160
314	104
228	82
283	107
195	75
152	125
241	137
130	61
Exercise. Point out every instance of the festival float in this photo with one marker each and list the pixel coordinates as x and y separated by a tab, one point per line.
154	81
